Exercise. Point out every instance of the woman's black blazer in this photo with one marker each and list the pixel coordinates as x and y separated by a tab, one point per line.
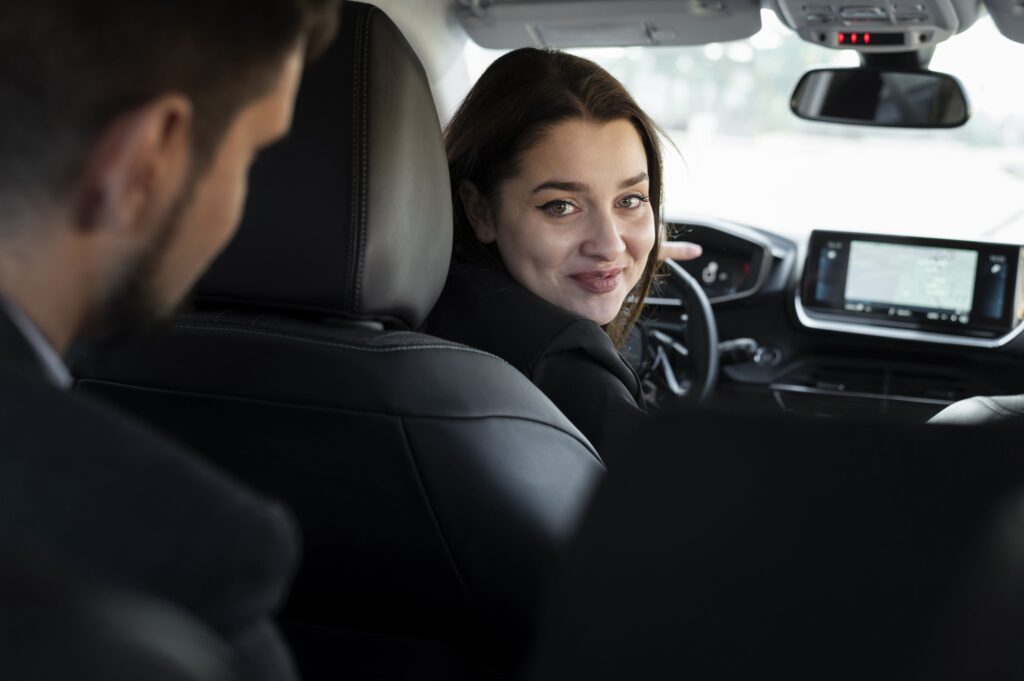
571	359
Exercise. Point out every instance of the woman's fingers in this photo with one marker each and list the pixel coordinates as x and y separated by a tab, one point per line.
679	250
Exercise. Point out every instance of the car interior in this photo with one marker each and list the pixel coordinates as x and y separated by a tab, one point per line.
434	498
775	544
437	488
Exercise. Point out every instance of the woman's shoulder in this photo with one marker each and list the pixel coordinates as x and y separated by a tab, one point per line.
484	307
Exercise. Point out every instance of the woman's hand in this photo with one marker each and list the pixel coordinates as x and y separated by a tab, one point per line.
679	250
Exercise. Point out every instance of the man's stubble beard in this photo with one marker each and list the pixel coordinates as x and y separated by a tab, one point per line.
135	307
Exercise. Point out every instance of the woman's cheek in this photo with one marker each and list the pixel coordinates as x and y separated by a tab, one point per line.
540	246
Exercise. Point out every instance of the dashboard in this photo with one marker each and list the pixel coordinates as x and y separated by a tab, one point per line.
859	324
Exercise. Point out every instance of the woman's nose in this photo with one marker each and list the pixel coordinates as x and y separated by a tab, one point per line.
603	239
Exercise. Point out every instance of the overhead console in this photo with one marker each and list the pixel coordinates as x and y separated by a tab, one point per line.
879	26
939	290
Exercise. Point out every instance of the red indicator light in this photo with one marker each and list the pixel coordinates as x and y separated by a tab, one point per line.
842	38
853	38
867	38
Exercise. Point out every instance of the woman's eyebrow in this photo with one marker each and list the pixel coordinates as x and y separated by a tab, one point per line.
637	179
567	186
562	186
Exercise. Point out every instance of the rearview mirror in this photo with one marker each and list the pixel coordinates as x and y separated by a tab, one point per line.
865	96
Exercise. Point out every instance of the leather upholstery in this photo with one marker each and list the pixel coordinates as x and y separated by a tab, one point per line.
981	409
732	545
434	483
342	219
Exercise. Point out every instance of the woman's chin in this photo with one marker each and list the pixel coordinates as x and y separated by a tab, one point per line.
600	308
600	313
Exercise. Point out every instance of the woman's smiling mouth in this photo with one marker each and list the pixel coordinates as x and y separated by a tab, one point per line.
599	281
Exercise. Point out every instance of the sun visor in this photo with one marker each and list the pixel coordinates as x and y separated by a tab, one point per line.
508	24
1008	16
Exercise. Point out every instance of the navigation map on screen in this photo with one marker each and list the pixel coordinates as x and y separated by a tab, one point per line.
915	276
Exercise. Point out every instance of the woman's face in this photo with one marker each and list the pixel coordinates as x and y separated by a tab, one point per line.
575	226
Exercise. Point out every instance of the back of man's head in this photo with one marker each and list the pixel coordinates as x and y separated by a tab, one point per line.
68	68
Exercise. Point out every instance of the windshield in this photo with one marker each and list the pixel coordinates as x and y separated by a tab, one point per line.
742	155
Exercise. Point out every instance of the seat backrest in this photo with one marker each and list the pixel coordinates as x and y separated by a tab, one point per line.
739	546
434	483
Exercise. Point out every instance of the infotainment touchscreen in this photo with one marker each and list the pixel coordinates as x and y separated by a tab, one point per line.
922	277
959	287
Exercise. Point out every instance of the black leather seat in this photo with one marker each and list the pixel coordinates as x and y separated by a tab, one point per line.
434	483
1008	409
747	546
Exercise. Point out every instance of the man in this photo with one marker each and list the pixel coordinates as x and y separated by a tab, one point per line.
126	132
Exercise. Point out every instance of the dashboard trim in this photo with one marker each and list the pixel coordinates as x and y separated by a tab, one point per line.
807	390
811	322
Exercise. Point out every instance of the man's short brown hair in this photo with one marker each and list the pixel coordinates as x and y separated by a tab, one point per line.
69	67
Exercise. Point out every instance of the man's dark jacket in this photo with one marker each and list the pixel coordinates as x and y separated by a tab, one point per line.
108	497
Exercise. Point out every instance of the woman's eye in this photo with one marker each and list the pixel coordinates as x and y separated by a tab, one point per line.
559	208
633	201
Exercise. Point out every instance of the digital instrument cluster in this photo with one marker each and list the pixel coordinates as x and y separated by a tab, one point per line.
733	265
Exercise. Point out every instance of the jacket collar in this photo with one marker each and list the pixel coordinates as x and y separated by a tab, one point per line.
18	351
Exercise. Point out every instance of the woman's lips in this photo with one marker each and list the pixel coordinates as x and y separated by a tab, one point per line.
598	281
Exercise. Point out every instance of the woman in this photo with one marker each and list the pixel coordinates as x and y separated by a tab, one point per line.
556	184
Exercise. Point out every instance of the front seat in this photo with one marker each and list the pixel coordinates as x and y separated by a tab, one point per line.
434	483
1002	409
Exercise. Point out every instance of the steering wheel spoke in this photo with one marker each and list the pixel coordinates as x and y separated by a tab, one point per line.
681	358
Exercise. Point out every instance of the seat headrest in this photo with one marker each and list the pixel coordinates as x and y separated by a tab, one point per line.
350	216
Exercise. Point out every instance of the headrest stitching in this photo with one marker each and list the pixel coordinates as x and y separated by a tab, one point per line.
290	308
336	344
358	35
418	416
361	226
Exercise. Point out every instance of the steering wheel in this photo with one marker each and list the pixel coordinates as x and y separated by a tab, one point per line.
680	357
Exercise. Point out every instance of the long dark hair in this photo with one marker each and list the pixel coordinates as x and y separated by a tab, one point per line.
519	98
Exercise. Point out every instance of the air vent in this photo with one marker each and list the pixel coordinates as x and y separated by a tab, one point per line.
838	390
841	380
880	383
946	389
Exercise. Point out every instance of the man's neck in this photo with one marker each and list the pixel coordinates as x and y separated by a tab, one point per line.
46	284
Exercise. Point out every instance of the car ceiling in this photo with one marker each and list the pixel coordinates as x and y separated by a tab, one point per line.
507	24
439	29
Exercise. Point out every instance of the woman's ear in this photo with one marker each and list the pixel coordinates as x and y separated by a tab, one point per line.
478	212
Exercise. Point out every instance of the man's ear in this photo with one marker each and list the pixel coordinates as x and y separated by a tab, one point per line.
478	212
137	167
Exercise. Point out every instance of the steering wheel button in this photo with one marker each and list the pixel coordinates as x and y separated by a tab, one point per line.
767	356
